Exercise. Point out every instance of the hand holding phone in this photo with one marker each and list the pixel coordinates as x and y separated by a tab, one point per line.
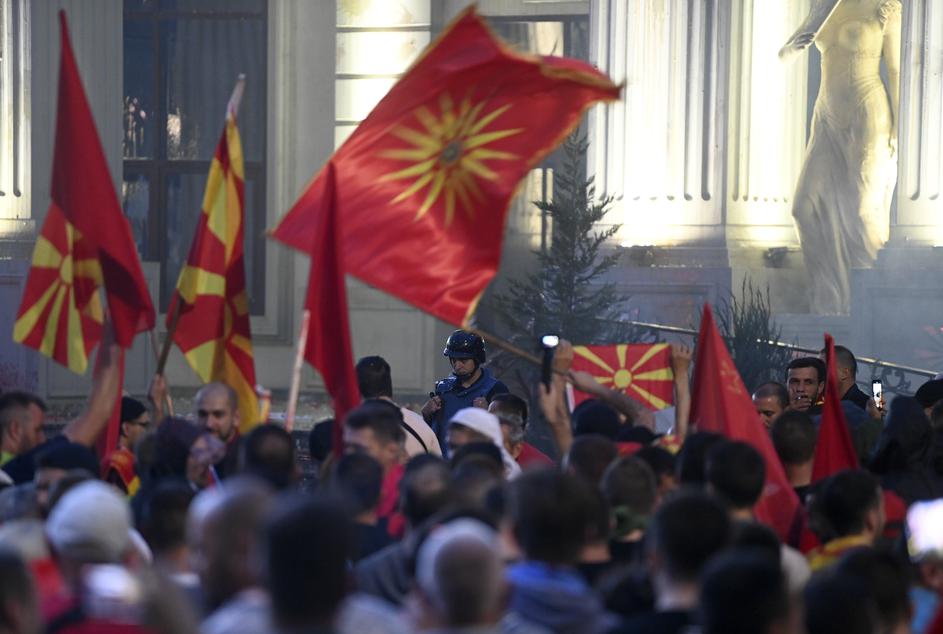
877	391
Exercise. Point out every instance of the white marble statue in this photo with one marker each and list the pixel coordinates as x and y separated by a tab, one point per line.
842	202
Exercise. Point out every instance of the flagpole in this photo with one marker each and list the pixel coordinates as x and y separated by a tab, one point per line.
507	346
296	372
156	348
171	330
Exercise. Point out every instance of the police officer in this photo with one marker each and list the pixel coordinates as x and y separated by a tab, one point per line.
469	382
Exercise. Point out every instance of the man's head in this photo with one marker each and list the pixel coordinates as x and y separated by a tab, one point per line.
466	352
162	518
631	490
794	436
459	574
21	422
846	367
770	400
358	478
692	458
222	533
54	463
551	515
307	542
473	424
91	524
425	488
511	411
374	378
589	457
268	452
929	394
135	420
217	410
376	428
848	503
736	473
686	531
745	592
805	380
887	580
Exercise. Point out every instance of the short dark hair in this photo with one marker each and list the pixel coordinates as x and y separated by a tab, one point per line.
844	358
163	514
808	362
686	531
550	514
268	452
661	461
425	488
321	439
693	456
794	436
841	503
374	378
307	543
68	456
629	482
514	403
736	472
887	579
383	418
589	456
839	602
742	593
359	478
756	537
15	402
595	417
774	389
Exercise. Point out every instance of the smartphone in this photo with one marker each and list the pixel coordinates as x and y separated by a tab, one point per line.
877	391
549	344
924	537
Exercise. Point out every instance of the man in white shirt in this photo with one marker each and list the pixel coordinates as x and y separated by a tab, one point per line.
375	381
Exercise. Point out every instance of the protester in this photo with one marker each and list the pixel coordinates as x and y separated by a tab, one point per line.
631	491
805	380
19	611
268	453
473	424
118	466
589	457
771	400
846	512
794	436
358	479
903	456
511	411
217	412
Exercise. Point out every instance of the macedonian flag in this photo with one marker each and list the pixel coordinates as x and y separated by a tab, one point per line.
643	371
61	312
422	186
213	327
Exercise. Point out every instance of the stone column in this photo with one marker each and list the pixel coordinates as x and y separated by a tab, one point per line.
660	148
920	181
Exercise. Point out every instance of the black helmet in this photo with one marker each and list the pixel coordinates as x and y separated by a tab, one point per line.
465	345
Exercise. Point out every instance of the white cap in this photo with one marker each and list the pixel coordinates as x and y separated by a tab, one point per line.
91	523
487	424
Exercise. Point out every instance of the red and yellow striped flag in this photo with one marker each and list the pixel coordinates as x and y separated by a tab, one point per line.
61	312
643	371
213	328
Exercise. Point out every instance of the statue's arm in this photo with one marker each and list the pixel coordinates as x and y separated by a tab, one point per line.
806	33
891	14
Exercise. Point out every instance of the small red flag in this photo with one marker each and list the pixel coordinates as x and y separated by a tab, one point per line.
82	189
424	183
328	346
643	371
834	450
720	403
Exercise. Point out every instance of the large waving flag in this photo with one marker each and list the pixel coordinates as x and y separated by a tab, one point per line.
720	403
213	328
643	371
424	183
834	450
85	243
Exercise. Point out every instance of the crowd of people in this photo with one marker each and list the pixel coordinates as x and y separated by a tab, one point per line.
449	520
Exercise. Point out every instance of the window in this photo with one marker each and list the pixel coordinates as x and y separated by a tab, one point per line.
181	61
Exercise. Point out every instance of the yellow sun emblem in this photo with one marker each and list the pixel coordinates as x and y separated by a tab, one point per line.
625	377
448	153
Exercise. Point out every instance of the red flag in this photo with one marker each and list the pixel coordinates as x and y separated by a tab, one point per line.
720	403
834	450
83	191
424	182
643	371
328	347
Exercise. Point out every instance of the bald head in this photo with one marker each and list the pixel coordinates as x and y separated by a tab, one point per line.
217	410
222	532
